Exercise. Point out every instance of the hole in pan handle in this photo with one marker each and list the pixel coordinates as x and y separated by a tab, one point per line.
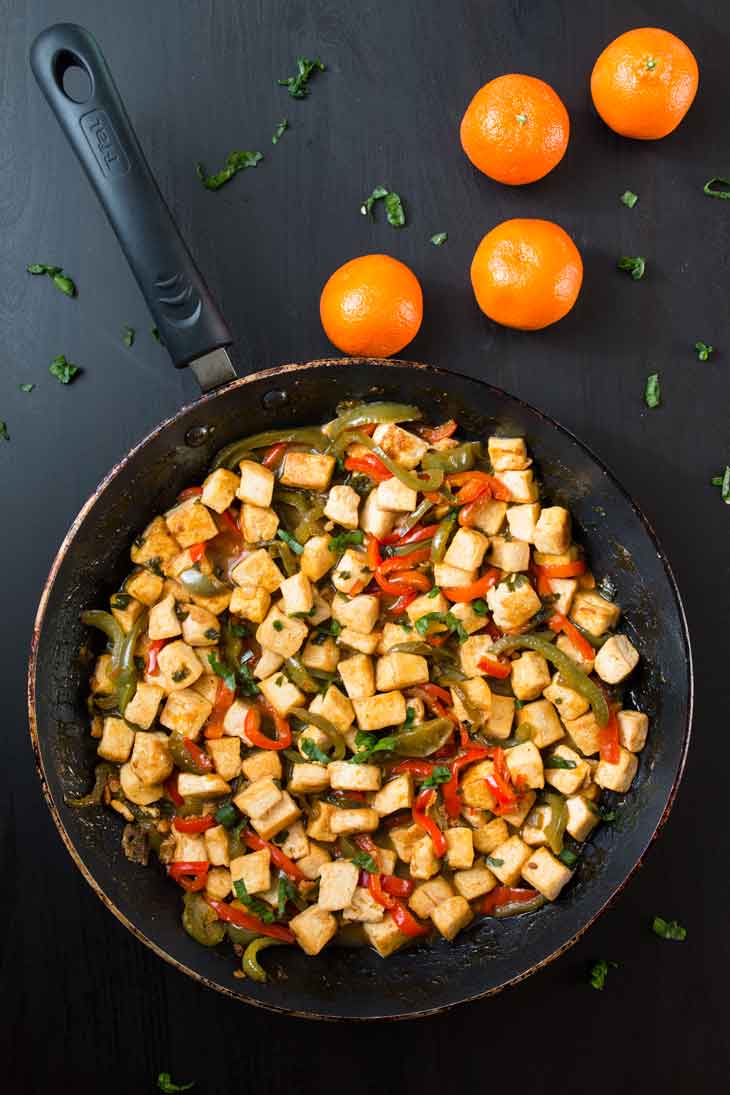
100	133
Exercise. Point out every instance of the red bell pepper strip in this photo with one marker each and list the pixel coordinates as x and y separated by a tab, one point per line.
423	821
468	514
356	796
369	465
372	552
194	824
153	650
404	562
197	551
432	434
505	895
419	769
198	756
273	455
450	790
404	580
417	533
437	692
499	784
464	478
608	740
462	594
558	622
544	585
395	886
398	607
288	866
233	915
172	792
189	492
495	667
228	518
191	875
251	728
407	924
377	892
562	570
224	698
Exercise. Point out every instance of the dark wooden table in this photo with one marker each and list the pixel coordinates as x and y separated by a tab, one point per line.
86	1007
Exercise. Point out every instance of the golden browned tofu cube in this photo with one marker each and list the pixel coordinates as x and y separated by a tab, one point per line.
151	759
314	927
282	694
530	675
427	895
467	549
279	817
422	606
459	847
117	740
207	786
342	505
541	717
135	790
616	659
199	626
310	471
518	813
124	611
218	883
520	484
501	716
296	845
334	706
383	709
321	655
509	555
569	703
145	586
585	732
633	727
470	620
178	666
317	559
451	916
512	608
219	489
488	515
403	839
395	497
397	794
346	822
474	882
256	799
257	483
311	864
566	780
617	777
253	869
251	603
320	821
281	633
474	788
226	754
258	570
479	698
582	819
262	763
103	679
522	521
586	664
407	449
190	523
553	531
186	711
352	573
363	908
163	620
446	576
385	936
525	765
490	836
357	676
354	777
308	779
337	884
155	545
508	453
400	670
546	873
594	613
424	862
258	523
296	594
513	853
142	708
358	613
216	845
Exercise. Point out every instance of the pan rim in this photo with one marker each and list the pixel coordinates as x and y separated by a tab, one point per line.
116	470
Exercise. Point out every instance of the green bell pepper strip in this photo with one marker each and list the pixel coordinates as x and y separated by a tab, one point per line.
232	454
424	739
366	413
202	585
127	680
461	458
418	514
555	828
442	535
574	677
102	772
201	922
325	726
408	549
280	550
250	964
514	908
431	480
105	622
299	675
475	717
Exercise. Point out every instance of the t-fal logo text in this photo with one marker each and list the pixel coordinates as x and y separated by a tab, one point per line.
104	143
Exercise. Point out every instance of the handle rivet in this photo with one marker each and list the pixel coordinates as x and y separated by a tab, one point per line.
198	435
272	400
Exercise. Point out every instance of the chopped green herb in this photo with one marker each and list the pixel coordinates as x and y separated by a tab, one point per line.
606	815
345	575
440	774
629	198
668	929
423	624
568	858
287	891
26	387
723	482
4	435
235	162
121	601
560	762
180	674
635	266
314	752
154	566
289	539
365	862
343	540
222	671
480	607
433	592
128	336
212	634
367	744
254	905
165	1083
278	625
155	332
279	131
410	716
246	682
298	86
55	273
653	391
717	188
239	630
226	815
63	370
439	239
394	211
492	861
367	206
599	973
43	268
65	284
704	351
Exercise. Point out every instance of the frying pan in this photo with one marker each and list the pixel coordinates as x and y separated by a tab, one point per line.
342	982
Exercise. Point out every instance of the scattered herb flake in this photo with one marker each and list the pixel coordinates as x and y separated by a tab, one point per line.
367	744
723	482
440	774
4	435
717	188
343	540
668	929
629	198
279	131
253	904
313	751
26	387
394	211
278	625
568	857
235	162
599	973
63	370
439	239
704	351
55	273
557	761
43	268
480	607
365	862
222	671
493	861
634	265
653	391
155	332
298	86
65	284
288	539
128	336
165	1083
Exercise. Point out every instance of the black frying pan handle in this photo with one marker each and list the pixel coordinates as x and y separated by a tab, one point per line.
102	137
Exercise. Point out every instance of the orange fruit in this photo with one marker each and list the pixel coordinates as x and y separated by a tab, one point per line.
515	129
644	82
372	306
526	274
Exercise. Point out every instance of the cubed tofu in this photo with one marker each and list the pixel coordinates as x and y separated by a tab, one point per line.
446	576
136	791
564	590
144	586
488	515
190	847
280	633
363	908
256	799
207	786
467	549
218	883
512	608
385	936
308	779
357	676
422	606
405	448
566	780
451	916
311	864
501	717
530	675
308	470
508	453
337	885
352	573
216	846
219	489
525	765
199	626
396	497
522	521
155	545
490	836
178	666
514	853
586	664
226	754
397	794
314	927
282	694
424	862
151	758
509	555
342	506
392	635
403	839
234	720
257	483
619	776
472	651
378	522
207	686
190	523
459	847
346	822
381	710
519	812
186	711
474	788
479	697
553	530
181	562
520	484
267	664
355	640
354	777
474	882
258	523
585	732
546	873
616	659
279	817
126	610
535	830
545	724
262	763
296	845
427	895
593	612
321	655
399	670
582	819
142	708
251	603
117	740
253	869
359	613
470	620
569	703
336	707
633	726
317	559
319	824
258	570
163	620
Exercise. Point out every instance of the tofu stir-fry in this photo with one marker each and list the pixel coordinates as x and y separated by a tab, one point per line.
361	686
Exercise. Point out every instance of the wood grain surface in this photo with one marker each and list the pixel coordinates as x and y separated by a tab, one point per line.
86	1007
